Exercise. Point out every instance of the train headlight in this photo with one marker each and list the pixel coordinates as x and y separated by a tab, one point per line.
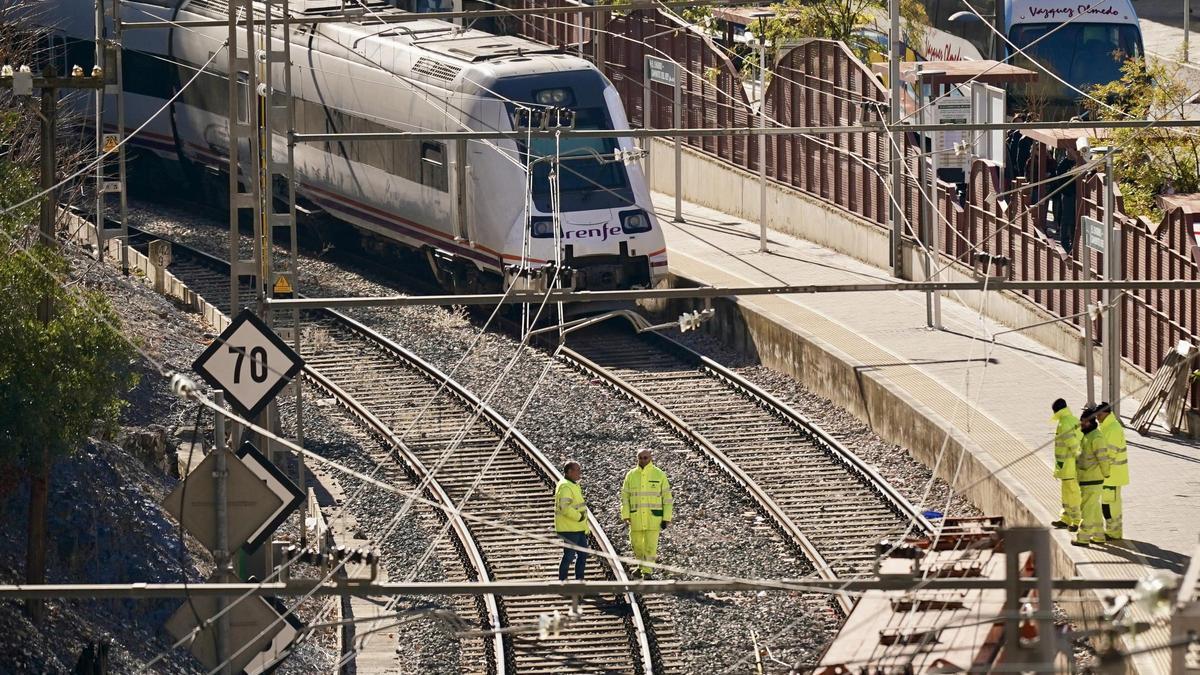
633	222
554	97
541	228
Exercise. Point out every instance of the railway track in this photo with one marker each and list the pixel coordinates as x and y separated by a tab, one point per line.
824	498
494	473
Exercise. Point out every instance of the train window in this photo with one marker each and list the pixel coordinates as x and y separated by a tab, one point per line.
433	166
148	75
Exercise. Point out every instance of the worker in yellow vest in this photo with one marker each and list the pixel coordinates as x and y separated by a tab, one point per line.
646	507
1091	468
1066	448
571	521
1112	507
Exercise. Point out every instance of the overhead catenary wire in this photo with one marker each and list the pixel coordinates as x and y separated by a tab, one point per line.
116	148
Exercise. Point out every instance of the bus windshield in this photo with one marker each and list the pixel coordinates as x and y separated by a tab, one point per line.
1081	54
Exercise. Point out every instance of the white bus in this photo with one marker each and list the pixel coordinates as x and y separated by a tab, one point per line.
1072	44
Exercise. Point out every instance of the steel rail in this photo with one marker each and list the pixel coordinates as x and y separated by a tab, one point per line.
834	447
404	456
503	651
763	496
759	495
543	465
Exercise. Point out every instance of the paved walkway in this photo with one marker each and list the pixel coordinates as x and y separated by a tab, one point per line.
1162	36
1003	403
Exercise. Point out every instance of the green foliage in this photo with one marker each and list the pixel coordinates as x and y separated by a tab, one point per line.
700	16
844	20
59	379
1152	160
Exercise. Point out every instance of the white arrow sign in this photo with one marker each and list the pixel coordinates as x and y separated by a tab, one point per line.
249	362
290	496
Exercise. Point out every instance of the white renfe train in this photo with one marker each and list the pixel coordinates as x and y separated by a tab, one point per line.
462	203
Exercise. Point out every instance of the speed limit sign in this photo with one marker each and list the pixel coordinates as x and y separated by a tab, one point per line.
250	363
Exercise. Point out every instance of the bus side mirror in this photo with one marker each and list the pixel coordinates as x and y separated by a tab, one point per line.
964	17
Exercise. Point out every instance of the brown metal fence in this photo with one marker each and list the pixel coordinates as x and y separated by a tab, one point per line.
1153	321
821	83
565	30
711	91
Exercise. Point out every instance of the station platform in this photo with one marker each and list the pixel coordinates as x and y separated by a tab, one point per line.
978	410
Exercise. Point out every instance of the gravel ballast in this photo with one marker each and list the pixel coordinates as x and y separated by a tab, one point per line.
717	530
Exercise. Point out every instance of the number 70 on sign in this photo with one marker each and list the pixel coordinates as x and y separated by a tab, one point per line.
250	363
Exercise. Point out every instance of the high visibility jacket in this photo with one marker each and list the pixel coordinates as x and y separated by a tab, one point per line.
1114	433
1092	465
1066	443
646	498
570	511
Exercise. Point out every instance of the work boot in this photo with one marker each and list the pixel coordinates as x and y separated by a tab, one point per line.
1059	525
1109	537
1073	528
1081	544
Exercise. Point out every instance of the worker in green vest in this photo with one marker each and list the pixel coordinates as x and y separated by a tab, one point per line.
1111	505
1091	467
571	521
1066	448
646	507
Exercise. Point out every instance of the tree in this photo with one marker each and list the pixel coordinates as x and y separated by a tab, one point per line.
1152	160
63	362
845	20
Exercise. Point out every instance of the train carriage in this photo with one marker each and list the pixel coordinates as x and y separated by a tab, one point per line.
467	205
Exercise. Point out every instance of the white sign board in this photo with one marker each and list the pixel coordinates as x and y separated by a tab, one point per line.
1094	234
987	107
661	71
289	495
249	362
953	110
250	502
247	619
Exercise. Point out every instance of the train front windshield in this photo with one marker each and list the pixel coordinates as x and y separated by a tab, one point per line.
1082	54
589	178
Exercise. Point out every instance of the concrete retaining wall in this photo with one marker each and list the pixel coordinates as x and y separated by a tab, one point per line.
83	233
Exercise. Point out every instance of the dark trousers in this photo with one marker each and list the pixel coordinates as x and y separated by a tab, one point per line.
569	554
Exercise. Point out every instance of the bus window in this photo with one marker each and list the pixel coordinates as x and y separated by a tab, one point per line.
1083	54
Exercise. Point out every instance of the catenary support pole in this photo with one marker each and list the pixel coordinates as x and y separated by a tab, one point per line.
1112	296
928	210
678	149
98	123
221	554
895	158
1089	357
49	156
762	138
1187	29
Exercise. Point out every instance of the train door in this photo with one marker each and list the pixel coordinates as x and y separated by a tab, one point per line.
462	206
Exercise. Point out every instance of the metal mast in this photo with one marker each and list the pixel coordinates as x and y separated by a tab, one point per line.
110	174
278	165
